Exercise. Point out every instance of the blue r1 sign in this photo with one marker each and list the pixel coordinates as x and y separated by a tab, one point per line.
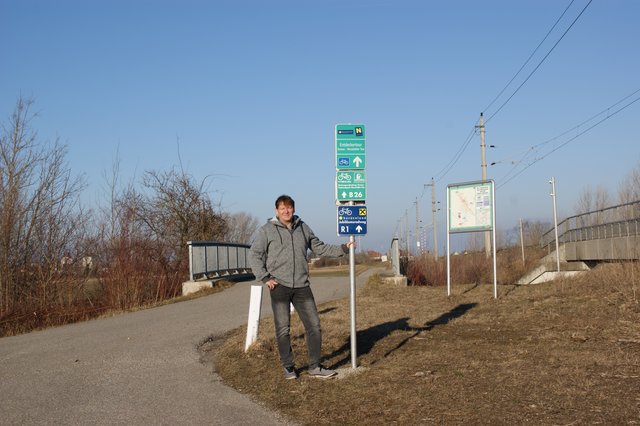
352	220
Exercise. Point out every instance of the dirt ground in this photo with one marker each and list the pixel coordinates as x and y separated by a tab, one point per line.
560	353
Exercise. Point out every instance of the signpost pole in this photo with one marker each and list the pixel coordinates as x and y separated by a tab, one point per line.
493	230
448	250
352	301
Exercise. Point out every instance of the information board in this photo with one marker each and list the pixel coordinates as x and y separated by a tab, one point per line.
470	206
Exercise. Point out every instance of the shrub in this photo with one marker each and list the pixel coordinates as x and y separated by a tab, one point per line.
472	267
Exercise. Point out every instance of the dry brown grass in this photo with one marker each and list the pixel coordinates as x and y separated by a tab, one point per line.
566	352
89	302
474	267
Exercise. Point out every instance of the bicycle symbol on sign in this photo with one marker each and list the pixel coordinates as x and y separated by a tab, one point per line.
345	211
344	177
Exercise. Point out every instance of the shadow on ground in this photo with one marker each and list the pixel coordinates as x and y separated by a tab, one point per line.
367	339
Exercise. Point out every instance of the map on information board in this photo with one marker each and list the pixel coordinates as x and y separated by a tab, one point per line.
470	206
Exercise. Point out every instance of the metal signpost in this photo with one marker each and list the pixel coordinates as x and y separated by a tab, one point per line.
351	214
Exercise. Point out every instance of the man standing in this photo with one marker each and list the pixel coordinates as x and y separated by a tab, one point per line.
278	258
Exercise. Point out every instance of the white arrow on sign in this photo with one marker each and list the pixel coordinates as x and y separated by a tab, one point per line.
344	195
357	161
359	228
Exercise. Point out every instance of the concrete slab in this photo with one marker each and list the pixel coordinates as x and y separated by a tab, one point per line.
399	281
189	287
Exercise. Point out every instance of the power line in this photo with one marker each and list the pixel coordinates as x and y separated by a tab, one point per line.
447	168
529	58
574	137
540	63
537	147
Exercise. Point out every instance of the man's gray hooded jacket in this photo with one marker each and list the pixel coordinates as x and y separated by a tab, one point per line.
281	253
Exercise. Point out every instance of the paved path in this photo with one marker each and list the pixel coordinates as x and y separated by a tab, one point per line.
137	368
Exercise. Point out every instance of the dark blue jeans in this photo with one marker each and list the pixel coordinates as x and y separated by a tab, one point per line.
304	303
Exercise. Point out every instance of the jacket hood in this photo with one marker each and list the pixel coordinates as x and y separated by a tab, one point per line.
294	220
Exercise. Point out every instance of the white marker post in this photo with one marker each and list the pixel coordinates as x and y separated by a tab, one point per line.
255	306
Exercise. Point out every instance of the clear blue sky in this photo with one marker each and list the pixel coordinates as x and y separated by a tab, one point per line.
251	91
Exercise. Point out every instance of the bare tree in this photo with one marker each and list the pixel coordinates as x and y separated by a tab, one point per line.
532	231
144	234
629	192
593	201
177	209
241	227
475	241
40	216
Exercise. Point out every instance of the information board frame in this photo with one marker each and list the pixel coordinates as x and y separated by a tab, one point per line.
474	199
470	206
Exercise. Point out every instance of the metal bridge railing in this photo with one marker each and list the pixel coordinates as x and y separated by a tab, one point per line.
616	221
626	228
214	259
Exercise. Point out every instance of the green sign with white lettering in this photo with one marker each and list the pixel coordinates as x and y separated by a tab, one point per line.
350	147
351	185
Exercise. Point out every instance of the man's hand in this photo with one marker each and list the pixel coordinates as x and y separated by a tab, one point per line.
272	283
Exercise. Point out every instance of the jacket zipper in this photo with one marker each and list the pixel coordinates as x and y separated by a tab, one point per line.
293	256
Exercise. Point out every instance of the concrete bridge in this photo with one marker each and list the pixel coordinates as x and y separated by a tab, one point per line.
611	234
608	234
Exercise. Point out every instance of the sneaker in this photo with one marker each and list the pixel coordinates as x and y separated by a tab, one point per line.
290	373
321	372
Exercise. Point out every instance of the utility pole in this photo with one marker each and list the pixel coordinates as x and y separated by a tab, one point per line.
433	212
483	165
406	220
522	242
418	251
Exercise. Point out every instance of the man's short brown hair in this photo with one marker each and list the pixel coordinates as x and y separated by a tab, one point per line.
286	200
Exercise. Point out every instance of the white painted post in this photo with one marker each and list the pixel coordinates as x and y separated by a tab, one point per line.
255	305
555	219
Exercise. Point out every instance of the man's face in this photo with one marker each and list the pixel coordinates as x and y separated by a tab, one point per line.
285	212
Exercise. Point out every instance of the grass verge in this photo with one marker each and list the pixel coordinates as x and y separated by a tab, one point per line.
566	352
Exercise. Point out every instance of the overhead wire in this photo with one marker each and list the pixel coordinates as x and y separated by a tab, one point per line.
537	147
574	137
449	166
539	63
529	58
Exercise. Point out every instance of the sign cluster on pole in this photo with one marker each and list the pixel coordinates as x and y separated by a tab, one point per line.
351	212
351	179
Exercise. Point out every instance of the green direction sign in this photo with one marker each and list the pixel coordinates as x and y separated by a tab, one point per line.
351	185
350	147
